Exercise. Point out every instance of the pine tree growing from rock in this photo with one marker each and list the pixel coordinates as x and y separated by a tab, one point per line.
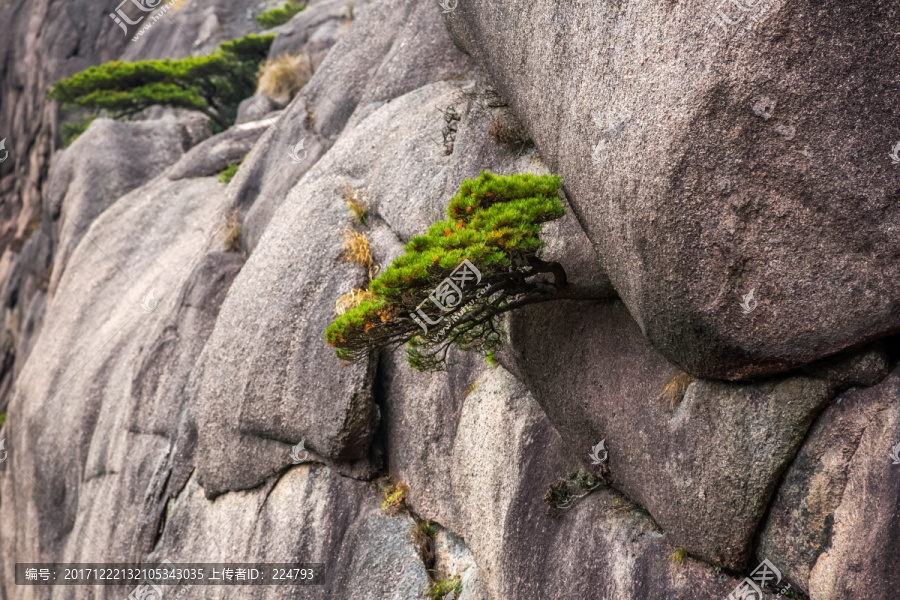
452	283
214	84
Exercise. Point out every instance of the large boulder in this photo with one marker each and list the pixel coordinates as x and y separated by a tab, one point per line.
91	398
309	515
707	164
107	161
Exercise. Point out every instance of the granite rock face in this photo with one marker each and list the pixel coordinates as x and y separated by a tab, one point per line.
833	523
164	359
704	459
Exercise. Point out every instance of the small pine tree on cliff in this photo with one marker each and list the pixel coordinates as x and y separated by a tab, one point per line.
213	84
451	284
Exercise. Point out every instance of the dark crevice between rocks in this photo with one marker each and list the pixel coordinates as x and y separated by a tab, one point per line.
422	534
378	449
163	517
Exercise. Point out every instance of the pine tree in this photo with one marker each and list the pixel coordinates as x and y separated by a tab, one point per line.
451	284
213	84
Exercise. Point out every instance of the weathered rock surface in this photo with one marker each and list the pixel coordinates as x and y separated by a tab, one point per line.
151	426
703	461
833	526
216	153
315	30
705	164
107	161
504	456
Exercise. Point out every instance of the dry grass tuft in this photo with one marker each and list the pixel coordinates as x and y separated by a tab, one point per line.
356	249
358	206
674	391
233	233
284	76
352	299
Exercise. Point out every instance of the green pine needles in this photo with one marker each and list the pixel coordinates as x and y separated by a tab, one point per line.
451	284
213	84
279	16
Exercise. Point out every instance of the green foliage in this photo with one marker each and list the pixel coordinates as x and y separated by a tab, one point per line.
228	174
213	84
439	589
394	497
494	222
2	419
72	129
678	556
428	528
490	359
279	16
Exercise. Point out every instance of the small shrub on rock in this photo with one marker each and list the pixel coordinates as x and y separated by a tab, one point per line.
394	498
228	173
438	590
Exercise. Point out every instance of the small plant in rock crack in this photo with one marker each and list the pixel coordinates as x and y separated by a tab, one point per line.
678	556
461	275
674	390
566	491
355	204
422	535
451	118
438	590
394	498
233	233
228	173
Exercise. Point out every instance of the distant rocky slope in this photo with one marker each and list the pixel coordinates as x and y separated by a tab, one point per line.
156	381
